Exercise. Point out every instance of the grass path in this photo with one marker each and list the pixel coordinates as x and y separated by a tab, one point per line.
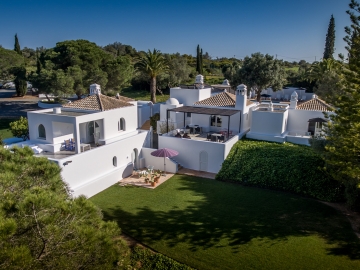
214	225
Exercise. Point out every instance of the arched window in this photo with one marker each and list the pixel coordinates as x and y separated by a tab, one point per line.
115	161
122	124
42	133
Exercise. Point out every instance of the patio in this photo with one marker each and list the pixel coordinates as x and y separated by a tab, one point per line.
136	180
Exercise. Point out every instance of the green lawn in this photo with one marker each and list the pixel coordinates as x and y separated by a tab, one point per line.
209	224
4	128
143	95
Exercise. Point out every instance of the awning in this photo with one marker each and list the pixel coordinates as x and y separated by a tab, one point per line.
318	120
202	110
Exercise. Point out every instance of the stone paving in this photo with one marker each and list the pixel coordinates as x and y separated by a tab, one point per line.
135	180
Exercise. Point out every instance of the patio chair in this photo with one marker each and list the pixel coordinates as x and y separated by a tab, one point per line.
197	129
213	138
208	137
67	145
222	138
191	130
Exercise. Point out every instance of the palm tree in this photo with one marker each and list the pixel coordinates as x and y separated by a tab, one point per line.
153	64
318	69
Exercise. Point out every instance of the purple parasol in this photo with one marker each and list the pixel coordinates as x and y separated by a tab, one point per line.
164	152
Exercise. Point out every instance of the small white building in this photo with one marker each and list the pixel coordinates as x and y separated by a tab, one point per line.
95	140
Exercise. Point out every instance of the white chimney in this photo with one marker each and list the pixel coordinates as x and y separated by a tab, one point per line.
294	100
57	110
95	89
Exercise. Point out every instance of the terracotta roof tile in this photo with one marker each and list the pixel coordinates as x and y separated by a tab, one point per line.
99	103
224	99
314	104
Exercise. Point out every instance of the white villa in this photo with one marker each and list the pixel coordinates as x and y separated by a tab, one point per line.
98	140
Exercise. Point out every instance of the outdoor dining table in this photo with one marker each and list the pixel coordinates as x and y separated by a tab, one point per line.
216	135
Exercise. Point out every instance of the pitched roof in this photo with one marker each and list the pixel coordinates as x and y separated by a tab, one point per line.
314	104
99	103
223	99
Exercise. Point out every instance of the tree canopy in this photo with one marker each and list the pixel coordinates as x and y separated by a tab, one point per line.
71	66
42	226
260	72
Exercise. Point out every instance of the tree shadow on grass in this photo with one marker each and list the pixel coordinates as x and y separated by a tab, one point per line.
238	215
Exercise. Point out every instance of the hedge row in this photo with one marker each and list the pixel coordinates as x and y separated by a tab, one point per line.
149	260
288	167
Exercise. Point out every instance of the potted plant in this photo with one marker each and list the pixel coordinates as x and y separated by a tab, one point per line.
157	175
147	180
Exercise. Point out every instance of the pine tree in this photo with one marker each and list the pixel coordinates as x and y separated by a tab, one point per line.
198	65
330	40
42	226
343	132
17	45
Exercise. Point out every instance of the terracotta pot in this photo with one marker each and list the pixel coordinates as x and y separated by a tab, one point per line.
156	179
153	184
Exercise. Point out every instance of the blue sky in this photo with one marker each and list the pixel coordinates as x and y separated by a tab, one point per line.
292	29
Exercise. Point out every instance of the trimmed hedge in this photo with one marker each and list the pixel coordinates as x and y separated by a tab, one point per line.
288	167
149	260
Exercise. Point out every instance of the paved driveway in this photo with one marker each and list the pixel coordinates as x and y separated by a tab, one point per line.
14	107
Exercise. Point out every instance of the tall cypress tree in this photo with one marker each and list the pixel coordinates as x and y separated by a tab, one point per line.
201	62
17	45
330	40
19	72
198	69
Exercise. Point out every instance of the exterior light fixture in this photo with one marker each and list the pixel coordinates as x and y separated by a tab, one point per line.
67	162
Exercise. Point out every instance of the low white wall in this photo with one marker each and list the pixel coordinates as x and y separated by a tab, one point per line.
93	171
298	119
158	162
189	152
298	140
265	137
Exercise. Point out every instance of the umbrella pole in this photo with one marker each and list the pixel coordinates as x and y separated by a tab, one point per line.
164	167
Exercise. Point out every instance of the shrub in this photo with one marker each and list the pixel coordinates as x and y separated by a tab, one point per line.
20	128
153	120
288	167
150	260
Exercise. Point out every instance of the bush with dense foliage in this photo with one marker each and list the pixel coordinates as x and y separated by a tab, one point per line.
288	167
150	260
20	128
42	226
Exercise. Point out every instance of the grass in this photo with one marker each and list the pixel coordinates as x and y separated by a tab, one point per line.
295	69
4	128
208	224
143	95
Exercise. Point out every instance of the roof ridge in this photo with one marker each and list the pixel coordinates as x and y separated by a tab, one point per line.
100	102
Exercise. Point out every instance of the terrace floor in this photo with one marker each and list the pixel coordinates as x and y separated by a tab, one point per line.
62	154
203	136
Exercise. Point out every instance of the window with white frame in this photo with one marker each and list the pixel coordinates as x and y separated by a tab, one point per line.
215	121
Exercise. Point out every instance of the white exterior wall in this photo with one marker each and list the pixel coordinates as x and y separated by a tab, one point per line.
93	171
189	96
298	120
189	152
267	122
36	118
157	162
144	113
